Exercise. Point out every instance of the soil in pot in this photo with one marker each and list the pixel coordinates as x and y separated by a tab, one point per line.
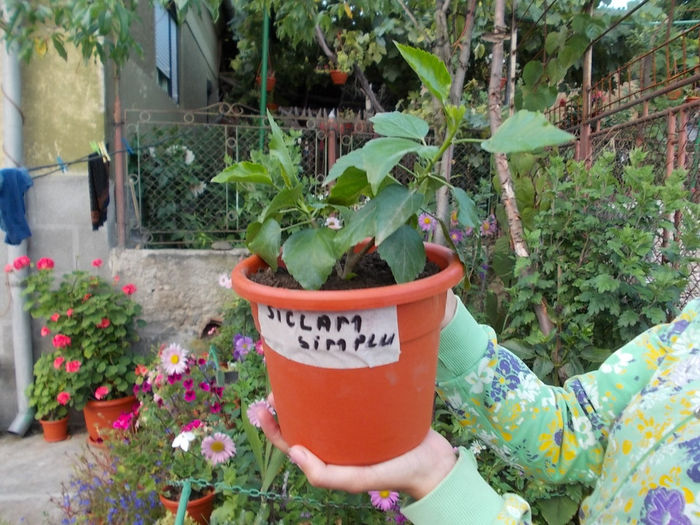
371	271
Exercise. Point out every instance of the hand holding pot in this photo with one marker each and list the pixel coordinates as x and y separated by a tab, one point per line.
415	473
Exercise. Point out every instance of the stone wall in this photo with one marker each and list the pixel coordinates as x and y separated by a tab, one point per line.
178	289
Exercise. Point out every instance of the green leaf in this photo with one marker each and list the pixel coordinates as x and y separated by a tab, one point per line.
395	205
404	252
558	510
379	156
397	124
353	159
573	51
360	225
284	199
273	468
605	283
525	131
264	239
542	367
244	172
430	69
253	438
519	349
310	256
466	209
628	318
279	151
348	187
532	72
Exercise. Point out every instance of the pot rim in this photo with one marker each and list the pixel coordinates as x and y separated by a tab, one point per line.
358	299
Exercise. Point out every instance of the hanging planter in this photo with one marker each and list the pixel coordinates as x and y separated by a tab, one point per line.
338	77
352	371
269	84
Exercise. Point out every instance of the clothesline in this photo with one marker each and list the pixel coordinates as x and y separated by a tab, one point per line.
60	165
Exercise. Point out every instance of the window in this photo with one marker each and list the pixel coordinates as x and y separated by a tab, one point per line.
166	51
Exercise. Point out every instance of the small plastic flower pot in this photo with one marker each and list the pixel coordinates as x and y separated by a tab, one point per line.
368	398
101	415
55	430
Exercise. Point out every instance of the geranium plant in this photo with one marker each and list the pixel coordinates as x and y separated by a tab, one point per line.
49	394
183	422
92	325
365	196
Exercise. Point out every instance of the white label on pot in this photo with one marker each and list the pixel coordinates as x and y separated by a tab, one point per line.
348	339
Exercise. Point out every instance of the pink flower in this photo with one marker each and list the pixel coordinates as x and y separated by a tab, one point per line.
44	263
204	386
104	323
259	347
21	262
101	392
141	370
383	499
124	421
63	398
9	268
128	289
61	341
195	423
218	448
69	312
255	408
215	408
72	366
427	222
58	362
97	263
45	331
190	395
116	279
55	317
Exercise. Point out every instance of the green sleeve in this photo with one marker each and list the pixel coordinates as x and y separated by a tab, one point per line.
554	433
464	498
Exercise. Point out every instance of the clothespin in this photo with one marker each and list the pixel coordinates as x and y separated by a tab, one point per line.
99	148
61	164
103	151
127	146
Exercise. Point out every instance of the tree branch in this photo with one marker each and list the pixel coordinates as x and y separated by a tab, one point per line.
409	14
321	39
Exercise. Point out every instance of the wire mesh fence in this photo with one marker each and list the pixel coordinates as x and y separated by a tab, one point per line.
173	204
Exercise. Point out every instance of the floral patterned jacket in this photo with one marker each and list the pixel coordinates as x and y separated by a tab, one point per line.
630	429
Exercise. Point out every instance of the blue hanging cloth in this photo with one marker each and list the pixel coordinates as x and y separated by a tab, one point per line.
14	182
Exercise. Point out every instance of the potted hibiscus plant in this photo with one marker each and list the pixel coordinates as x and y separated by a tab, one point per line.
92	324
342	361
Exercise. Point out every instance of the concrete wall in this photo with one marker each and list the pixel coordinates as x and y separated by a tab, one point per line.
178	289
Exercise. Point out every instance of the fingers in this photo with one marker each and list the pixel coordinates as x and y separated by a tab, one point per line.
269	426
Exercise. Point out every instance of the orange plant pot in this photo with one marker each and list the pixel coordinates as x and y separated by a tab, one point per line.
100	415
198	509
338	77
55	430
366	414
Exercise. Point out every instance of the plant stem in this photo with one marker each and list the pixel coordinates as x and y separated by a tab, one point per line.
353	257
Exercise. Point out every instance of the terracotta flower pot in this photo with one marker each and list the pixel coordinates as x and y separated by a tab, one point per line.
100	415
198	509
55	430
352	371
338	77
269	85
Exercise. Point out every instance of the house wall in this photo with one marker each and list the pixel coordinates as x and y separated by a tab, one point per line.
68	104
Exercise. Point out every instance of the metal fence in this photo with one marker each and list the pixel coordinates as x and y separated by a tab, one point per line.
175	155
